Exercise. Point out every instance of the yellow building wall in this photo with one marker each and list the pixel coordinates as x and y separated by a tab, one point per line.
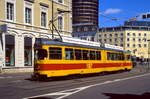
19	11
36	25
2	11
137	51
113	42
37	13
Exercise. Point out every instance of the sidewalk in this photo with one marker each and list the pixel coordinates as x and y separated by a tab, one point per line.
16	70
141	68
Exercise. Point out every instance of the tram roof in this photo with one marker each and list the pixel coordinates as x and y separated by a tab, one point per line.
56	42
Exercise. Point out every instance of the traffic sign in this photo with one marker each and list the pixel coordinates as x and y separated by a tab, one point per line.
3	28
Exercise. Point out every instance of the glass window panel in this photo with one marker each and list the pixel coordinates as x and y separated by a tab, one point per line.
10	11
27	51
69	54
86	55
60	23
10	50
92	55
78	54
43	19
40	54
28	16
55	53
98	55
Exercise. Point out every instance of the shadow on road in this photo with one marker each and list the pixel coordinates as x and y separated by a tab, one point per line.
73	77
127	96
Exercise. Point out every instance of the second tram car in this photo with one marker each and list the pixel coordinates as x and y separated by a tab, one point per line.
55	58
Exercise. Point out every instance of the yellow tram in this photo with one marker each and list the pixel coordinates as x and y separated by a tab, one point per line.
55	58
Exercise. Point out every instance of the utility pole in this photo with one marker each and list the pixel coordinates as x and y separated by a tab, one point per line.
52	19
1	52
148	54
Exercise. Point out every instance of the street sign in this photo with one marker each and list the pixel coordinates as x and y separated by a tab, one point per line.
3	28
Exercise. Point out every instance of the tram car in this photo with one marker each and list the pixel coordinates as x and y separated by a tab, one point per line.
58	58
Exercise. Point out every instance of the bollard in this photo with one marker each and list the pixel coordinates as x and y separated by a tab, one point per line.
0	69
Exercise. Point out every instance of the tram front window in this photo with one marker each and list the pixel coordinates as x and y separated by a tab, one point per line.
40	54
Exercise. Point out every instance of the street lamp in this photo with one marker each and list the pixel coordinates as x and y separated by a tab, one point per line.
148	54
134	58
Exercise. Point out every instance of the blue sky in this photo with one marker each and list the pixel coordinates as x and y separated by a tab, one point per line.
122	10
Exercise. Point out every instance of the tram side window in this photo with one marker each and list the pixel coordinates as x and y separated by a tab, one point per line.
69	54
121	56
128	57
92	55
86	55
55	53
98	55
78	55
115	56
40	54
111	56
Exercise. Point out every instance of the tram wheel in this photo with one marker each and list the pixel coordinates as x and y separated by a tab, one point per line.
42	77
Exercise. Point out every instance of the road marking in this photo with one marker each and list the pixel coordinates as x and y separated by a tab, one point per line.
2	77
117	80
16	81
66	93
61	94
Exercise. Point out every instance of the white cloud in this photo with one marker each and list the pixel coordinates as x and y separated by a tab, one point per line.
112	11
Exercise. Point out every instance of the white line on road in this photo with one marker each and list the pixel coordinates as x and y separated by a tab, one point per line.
66	93
2	77
16	81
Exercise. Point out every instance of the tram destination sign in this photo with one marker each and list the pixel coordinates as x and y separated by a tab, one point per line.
113	46
3	28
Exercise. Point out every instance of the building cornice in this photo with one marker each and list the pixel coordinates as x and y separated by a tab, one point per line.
37	27
44	4
32	1
123	28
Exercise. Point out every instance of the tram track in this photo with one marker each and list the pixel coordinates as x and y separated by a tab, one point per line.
79	82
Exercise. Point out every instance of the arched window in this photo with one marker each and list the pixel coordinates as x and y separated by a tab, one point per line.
9	50
28	51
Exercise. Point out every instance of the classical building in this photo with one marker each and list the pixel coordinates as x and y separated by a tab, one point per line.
133	36
27	20
145	16
85	18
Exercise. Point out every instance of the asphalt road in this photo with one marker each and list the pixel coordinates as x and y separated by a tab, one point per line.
136	87
127	85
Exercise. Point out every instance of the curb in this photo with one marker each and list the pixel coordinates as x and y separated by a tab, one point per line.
16	70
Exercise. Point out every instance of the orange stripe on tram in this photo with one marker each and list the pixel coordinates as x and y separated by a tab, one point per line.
80	66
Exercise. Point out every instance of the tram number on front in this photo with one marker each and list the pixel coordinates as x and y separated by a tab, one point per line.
89	65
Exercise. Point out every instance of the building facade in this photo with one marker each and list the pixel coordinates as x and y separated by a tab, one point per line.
27	20
85	18
132	38
145	16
